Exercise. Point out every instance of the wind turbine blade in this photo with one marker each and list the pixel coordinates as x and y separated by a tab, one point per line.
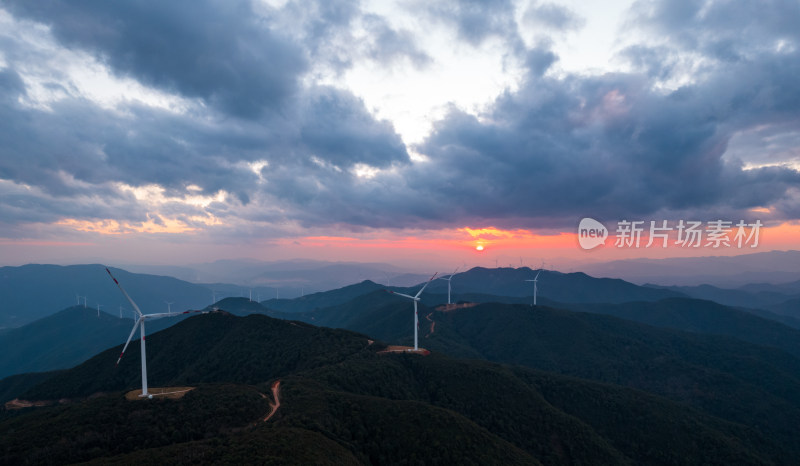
401	294
138	311
537	275
426	285
167	314
135	324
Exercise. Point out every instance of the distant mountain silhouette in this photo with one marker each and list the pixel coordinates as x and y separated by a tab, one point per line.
319	300
481	284
290	278
30	292
64	339
790	307
749	296
563	287
722	271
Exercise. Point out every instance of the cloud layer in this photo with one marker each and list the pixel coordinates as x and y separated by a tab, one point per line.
256	133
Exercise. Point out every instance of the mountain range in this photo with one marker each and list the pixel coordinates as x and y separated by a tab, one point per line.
721	271
65	339
32	347
343	401
615	373
30	292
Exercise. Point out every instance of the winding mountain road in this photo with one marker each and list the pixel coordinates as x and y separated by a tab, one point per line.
276	395
433	324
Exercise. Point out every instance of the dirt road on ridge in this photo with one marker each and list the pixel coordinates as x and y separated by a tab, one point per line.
276	395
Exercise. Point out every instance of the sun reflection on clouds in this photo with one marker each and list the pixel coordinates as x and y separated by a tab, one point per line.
165	214
154	195
154	224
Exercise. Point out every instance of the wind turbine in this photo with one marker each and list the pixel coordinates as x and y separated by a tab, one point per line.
449	279
98	309
169	307
140	323
535	281
415	298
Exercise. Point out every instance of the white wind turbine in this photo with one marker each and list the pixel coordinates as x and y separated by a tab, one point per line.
535	282
415	298
140	323
449	279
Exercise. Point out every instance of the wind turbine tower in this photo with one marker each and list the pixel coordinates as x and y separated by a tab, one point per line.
415	298
449	279
140	323
535	283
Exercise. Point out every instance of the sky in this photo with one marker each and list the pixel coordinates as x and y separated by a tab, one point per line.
424	134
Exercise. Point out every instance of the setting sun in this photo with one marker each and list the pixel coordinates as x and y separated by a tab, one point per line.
479	247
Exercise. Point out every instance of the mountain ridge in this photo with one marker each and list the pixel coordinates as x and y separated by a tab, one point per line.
368	407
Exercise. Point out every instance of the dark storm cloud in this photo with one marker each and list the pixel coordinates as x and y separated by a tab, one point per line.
478	20
539	59
727	31
219	51
387	44
175	153
75	146
72	153
326	29
543	154
323	195
337	128
11	85
614	147
552	16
